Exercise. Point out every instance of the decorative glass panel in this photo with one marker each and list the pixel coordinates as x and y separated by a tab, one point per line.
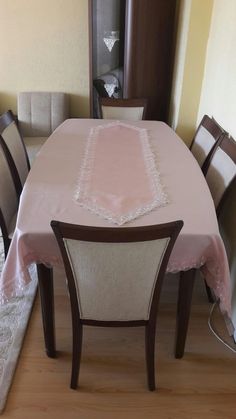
108	20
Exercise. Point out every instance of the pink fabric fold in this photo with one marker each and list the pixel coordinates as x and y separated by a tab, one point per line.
119	180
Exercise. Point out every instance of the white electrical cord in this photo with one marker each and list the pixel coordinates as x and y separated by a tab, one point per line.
214	331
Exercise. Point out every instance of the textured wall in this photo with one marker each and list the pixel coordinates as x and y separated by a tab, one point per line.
192	38
44	46
219	86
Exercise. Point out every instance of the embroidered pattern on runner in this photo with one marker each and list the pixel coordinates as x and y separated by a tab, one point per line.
119	180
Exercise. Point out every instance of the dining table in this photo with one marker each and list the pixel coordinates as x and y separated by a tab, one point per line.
112	173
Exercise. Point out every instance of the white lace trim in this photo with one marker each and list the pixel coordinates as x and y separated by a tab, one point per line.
81	194
214	272
23	279
175	267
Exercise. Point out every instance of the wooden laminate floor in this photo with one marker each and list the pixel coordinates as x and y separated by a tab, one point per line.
113	378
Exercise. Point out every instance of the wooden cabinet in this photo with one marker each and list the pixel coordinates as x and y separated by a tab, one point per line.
140	61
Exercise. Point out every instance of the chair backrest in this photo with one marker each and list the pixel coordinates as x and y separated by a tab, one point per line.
221	173
8	199
205	140
115	274
40	113
14	149
123	109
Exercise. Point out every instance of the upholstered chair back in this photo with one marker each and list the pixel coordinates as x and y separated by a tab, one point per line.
221	172
15	146
123	109
8	201
107	274
40	113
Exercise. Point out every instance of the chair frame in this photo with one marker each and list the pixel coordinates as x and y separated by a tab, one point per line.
228	145
212	126
216	131
115	235
5	120
129	103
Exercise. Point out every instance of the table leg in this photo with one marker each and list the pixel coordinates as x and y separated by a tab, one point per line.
186	283
45	279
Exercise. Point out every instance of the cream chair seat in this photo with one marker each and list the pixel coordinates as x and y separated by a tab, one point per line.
39	114
33	145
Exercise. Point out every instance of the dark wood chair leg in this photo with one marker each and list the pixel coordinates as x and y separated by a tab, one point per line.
209	293
186	283
45	279
76	354
6	243
150	335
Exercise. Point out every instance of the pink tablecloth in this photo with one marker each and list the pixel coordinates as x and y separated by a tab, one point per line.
49	194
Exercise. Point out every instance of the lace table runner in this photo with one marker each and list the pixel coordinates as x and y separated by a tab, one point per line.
119	179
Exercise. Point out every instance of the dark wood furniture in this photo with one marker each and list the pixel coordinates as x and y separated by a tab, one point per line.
101	278
124	103
142	59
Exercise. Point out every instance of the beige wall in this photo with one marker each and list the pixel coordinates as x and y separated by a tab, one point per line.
44	46
218	96
192	38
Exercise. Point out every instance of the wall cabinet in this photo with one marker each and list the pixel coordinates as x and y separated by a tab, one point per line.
131	52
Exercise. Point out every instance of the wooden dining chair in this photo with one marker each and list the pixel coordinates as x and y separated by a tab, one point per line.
8	201
14	149
206	138
123	109
114	277
221	171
